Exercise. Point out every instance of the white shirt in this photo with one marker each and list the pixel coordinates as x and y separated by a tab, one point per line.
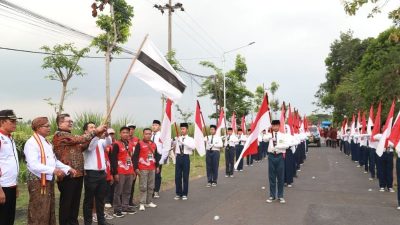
214	142
231	141
33	158
90	154
155	137
9	165
281	140
263	137
187	143
242	139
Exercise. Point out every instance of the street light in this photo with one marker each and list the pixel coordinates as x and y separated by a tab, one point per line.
223	68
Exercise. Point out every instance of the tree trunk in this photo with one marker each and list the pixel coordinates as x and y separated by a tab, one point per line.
108	56
63	92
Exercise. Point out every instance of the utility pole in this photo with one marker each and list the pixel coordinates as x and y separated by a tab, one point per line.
171	8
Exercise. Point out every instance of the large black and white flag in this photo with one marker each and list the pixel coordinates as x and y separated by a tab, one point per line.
152	68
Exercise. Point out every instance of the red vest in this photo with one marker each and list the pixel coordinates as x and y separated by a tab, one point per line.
146	156
108	171
125	165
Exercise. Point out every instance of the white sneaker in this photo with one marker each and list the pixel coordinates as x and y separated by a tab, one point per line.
184	198
226	176
270	199
214	184
391	190
108	205
151	205
141	207
365	172
358	166
156	195
282	201
398	207
289	186
231	176
94	218
240	170
177	197
108	216
381	189
371	178
208	185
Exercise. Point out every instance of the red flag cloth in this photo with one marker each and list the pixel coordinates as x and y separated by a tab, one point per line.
370	120
198	131
282	119
243	125
383	142
262	121
291	121
377	122
364	124
221	122
233	122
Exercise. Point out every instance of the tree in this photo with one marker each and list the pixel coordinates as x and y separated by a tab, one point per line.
185	115
258	97
352	6
116	27
63	60
238	97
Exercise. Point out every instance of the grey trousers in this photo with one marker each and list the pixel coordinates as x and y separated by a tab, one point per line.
122	192
146	185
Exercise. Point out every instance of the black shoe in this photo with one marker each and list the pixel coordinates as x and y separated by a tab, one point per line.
129	210
118	214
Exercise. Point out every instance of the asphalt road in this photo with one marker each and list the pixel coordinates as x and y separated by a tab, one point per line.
329	190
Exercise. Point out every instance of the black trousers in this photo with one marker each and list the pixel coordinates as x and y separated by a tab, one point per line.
7	210
212	164
70	197
131	203
95	189
239	149
229	160
182	170
157	180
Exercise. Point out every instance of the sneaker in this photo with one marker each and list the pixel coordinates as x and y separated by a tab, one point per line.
107	205
118	214
282	200
226	175
365	171
231	176
236	170
94	218
184	198
270	199
358	166
251	165
141	207
214	184
156	195
130	211
371	178
246	165
391	190
398	207
133	205
381	189
240	170
177	197
289	186
151	205
123	212
208	185
108	216
299	170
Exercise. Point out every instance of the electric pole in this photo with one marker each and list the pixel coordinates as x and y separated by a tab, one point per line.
171	8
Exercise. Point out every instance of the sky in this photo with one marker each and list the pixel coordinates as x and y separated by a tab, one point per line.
292	40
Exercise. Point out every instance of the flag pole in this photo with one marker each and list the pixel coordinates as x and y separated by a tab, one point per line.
124	80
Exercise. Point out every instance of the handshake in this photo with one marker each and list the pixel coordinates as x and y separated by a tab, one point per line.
60	174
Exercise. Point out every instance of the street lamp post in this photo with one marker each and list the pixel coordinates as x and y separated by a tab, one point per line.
223	73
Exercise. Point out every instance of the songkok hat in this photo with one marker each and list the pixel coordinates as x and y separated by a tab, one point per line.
184	125
156	122
39	122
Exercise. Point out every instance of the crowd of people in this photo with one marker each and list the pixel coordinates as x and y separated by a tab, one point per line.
359	146
107	169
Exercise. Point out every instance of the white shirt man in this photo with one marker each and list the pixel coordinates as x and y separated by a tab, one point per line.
97	148
9	165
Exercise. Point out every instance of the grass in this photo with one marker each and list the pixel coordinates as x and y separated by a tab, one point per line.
197	170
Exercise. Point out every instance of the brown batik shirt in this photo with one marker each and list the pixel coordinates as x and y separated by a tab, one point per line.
68	149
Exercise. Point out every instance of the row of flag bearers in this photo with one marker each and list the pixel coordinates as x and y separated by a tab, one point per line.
372	145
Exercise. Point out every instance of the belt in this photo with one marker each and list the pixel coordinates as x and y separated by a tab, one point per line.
276	154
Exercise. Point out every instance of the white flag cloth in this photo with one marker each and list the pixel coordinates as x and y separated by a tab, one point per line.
383	142
165	134
153	69
221	122
198	132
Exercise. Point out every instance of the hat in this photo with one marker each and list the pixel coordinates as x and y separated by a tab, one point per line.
131	125
240	129
8	114
213	126
276	122
39	122
110	131
230	128
184	125
156	122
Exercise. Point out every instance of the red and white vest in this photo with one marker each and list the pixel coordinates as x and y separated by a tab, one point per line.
146	156
125	165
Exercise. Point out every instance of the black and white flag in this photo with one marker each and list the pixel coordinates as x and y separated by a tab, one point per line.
153	68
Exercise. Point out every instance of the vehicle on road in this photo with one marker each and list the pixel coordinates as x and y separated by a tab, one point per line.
314	136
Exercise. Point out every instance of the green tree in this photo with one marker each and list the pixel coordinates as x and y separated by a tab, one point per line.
274	102
352	6
238	97
258	97
185	115
63	61
116	26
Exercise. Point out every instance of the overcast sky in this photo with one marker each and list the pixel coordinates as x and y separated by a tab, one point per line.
292	40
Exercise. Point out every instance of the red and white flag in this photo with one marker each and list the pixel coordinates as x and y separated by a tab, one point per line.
353	125
395	134
198	131
165	133
377	125
262	121
370	120
233	123
282	119
383	142
363	124
358	121
221	122
243	125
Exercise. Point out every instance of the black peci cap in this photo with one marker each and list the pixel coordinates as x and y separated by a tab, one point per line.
276	122
230	128
213	126
156	122
184	125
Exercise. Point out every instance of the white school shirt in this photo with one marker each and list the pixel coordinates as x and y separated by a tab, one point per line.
9	165
155	137
242	139
232	142
33	158
90	154
216	144
188	145
282	142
